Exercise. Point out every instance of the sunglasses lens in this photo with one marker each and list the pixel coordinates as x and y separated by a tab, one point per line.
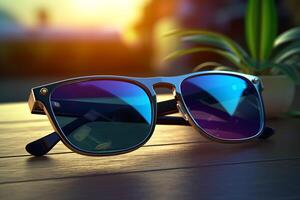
103	116
224	106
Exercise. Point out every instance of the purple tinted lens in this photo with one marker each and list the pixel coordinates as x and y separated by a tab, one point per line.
103	116
225	106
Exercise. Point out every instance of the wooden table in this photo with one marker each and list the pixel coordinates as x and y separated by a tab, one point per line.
177	163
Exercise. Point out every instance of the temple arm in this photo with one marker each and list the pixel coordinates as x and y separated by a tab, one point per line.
45	144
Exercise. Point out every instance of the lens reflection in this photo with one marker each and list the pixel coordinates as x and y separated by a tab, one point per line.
103	116
225	106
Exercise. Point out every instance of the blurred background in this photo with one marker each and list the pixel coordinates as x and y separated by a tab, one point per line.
45	40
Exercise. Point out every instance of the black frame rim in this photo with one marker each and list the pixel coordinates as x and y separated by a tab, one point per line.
147	85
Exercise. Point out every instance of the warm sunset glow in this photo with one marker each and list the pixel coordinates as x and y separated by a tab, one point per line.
87	4
119	14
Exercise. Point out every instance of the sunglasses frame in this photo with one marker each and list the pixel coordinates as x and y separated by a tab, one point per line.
40	103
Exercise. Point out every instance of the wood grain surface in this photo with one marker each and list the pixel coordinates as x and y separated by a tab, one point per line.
176	163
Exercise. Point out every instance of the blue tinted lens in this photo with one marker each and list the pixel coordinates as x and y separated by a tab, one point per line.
224	106
103	116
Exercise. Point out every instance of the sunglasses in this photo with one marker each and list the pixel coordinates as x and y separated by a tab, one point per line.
109	115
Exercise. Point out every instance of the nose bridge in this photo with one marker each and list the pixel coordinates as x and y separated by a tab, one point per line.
167	82
164	85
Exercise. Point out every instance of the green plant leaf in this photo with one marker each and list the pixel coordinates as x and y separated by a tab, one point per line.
287	52
294	113
231	57
289	70
207	66
214	39
217	40
293	60
261	28
288	36
213	66
208	40
265	65
224	68
252	28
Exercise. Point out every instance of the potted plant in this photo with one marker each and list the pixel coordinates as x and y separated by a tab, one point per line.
276	59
